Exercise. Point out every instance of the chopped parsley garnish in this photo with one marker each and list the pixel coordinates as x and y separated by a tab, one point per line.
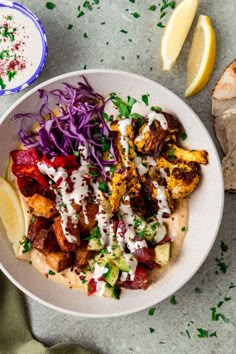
50	5
26	244
184	136
76	153
155	225
85	35
4	54
188	334
103	187
173	300
105	144
152	8
224	247
171	153
156	109
215	316
145	99
11	74
106	117
70	26
32	220
80	14
2	85
202	333
159	24
51	272
123	31
221	264
141	233
30	262
151	311
136	15
87	5
137	222
213	334
151	330
183	228
198	290
227	298
102	23
133	1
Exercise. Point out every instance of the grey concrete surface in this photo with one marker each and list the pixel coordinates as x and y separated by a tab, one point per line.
138	51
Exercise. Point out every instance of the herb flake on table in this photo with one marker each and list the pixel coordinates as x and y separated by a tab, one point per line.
123	31
151	311
173	300
151	330
135	14
70	26
50	5
152	8
202	333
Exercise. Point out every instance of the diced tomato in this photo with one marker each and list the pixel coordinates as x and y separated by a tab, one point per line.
91	287
140	279
30	171
25	157
145	255
29	186
69	161
121	228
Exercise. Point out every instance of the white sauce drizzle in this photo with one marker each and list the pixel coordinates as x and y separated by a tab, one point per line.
162	201
124	139
98	273
160	234
152	116
64	199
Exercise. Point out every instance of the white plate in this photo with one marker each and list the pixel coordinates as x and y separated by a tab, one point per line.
206	203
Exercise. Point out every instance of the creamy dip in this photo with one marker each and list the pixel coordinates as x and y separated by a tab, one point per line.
21	48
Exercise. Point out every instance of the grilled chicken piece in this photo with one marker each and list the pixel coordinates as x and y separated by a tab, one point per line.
181	177
59	261
82	256
42	205
174	152
118	188
151	141
87	219
64	244
152	193
42	236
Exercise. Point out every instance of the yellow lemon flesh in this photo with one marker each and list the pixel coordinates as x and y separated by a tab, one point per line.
201	57
176	31
11	213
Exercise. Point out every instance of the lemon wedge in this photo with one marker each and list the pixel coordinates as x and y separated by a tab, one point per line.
201	58
11	213
176	31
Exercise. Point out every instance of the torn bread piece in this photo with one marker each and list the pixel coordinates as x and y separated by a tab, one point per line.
224	111
224	92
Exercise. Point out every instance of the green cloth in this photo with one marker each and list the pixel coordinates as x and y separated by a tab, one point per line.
15	336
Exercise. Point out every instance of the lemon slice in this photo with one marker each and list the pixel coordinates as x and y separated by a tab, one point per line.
176	31
201	58
11	213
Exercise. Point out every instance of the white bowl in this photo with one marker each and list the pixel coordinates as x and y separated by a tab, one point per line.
206	203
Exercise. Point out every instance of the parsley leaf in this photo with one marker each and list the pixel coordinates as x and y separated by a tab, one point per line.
151	311
173	300
50	5
202	333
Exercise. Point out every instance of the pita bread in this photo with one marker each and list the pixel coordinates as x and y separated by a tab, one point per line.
224	111
225	88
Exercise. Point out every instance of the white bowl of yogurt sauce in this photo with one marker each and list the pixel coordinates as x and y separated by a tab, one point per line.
23	47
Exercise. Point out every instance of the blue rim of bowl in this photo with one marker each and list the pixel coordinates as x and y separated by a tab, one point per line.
25	11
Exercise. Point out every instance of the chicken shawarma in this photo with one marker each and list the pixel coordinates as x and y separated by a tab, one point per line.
105	196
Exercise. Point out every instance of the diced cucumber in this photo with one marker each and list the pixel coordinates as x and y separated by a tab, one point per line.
121	263
102	258
112	275
162	253
151	230
94	244
112	291
91	263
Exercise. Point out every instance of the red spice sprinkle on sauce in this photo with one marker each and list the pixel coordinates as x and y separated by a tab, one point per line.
12	56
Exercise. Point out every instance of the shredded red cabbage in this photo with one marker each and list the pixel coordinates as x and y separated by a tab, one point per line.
79	122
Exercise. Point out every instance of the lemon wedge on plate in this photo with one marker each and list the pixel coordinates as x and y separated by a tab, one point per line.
201	58
11	213
176	31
